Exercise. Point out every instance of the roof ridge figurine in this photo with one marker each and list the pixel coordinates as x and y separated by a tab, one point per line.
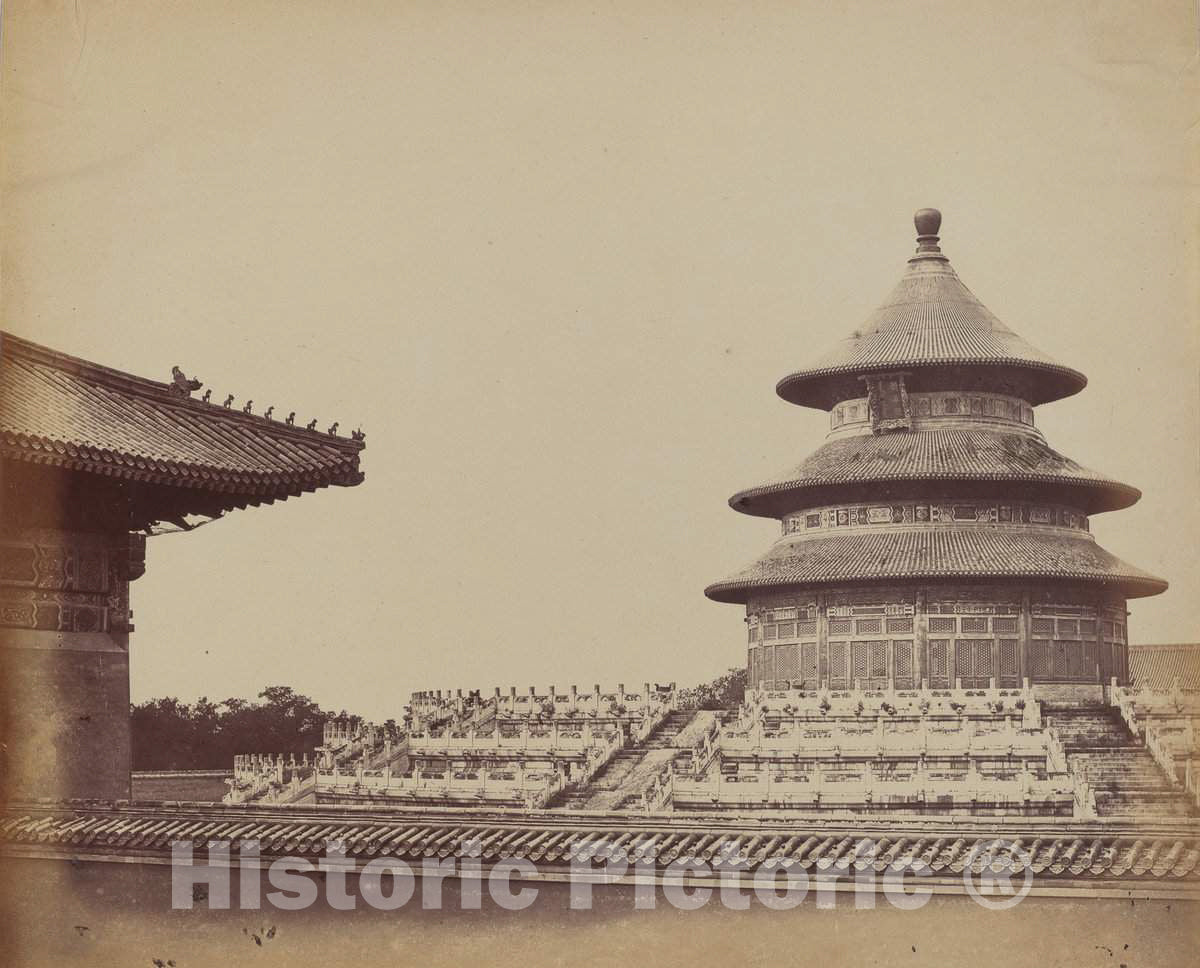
182	384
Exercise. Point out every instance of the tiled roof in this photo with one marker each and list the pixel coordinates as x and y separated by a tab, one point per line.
973	454
935	553
70	413
930	319
1158	666
1053	847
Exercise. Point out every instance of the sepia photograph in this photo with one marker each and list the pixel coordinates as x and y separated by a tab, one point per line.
599	483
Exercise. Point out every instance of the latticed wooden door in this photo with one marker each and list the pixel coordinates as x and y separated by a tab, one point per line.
973	662
808	666
939	663
839	675
869	663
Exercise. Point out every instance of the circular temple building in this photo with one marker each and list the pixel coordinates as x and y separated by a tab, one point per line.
935	538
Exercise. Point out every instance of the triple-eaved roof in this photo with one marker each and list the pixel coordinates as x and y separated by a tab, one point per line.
73	414
947	391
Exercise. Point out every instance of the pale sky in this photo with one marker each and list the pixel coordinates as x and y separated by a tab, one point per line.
553	257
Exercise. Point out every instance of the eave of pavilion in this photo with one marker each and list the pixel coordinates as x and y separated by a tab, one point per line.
177	455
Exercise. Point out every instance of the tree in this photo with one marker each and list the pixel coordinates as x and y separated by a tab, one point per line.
171	735
725	692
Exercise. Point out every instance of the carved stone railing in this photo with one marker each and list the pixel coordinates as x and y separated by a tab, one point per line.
856	786
524	783
827	703
619	705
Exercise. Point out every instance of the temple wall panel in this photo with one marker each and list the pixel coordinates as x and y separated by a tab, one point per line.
942	636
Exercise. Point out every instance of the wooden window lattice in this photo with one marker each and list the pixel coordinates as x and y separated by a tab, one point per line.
808	664
1008	658
787	662
938	672
837	663
879	660
902	656
860	656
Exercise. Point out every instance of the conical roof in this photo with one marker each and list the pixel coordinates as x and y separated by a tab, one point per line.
930	319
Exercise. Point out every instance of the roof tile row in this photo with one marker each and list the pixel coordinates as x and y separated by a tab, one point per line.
1161	666
64	412
930	318
949	553
934	455
1084	855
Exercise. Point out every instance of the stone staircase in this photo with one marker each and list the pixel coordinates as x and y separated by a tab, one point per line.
620	781
1126	779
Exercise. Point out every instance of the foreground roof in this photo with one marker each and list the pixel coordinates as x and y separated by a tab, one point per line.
1061	848
932	320
1160	666
935	553
934	455
70	413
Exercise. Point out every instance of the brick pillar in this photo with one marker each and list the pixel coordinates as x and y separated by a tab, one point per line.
64	661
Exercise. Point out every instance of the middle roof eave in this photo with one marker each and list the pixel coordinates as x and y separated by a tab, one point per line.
931	456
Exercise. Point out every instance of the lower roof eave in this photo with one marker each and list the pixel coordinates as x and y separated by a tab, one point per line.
737	591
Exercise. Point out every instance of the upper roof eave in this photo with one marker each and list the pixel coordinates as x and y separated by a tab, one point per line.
811	387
